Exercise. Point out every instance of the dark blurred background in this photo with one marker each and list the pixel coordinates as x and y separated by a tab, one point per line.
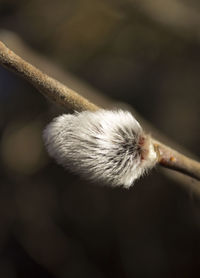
145	53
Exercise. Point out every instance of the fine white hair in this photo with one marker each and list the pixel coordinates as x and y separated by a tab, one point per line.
109	146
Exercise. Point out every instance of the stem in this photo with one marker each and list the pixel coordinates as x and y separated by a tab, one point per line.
49	87
66	97
169	158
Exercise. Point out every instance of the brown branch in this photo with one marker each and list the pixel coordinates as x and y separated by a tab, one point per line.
66	97
48	86
169	158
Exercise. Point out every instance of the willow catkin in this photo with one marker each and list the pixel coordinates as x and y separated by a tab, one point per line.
109	146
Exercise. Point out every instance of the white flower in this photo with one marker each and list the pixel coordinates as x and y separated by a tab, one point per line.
109	146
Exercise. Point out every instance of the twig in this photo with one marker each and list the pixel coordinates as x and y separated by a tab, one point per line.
169	158
63	96
48	86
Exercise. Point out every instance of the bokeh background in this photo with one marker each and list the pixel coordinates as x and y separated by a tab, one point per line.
145	53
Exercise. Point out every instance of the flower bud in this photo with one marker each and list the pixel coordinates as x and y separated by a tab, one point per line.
109	146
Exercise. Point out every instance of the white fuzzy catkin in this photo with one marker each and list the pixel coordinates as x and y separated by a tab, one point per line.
109	146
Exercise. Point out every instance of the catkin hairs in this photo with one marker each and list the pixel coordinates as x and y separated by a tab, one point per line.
109	146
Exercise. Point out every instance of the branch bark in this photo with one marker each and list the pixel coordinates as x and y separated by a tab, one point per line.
49	87
171	159
68	98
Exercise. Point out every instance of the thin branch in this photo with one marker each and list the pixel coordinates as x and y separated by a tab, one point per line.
66	97
169	158
48	86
